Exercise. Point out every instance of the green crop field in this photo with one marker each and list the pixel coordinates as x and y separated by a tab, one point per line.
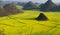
25	23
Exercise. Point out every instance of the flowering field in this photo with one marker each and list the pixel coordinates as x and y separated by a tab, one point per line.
25	24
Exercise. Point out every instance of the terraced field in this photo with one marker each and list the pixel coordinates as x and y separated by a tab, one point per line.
25	24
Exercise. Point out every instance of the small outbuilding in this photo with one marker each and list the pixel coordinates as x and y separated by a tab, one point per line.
41	17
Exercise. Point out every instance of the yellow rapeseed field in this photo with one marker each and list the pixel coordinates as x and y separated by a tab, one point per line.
25	23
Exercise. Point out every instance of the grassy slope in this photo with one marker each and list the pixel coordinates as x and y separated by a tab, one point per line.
25	23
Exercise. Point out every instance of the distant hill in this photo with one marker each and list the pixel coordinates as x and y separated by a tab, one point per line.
57	3
21	3
7	2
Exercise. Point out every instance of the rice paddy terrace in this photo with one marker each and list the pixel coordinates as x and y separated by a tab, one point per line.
25	23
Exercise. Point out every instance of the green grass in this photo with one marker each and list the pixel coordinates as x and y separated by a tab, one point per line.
19	7
25	23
